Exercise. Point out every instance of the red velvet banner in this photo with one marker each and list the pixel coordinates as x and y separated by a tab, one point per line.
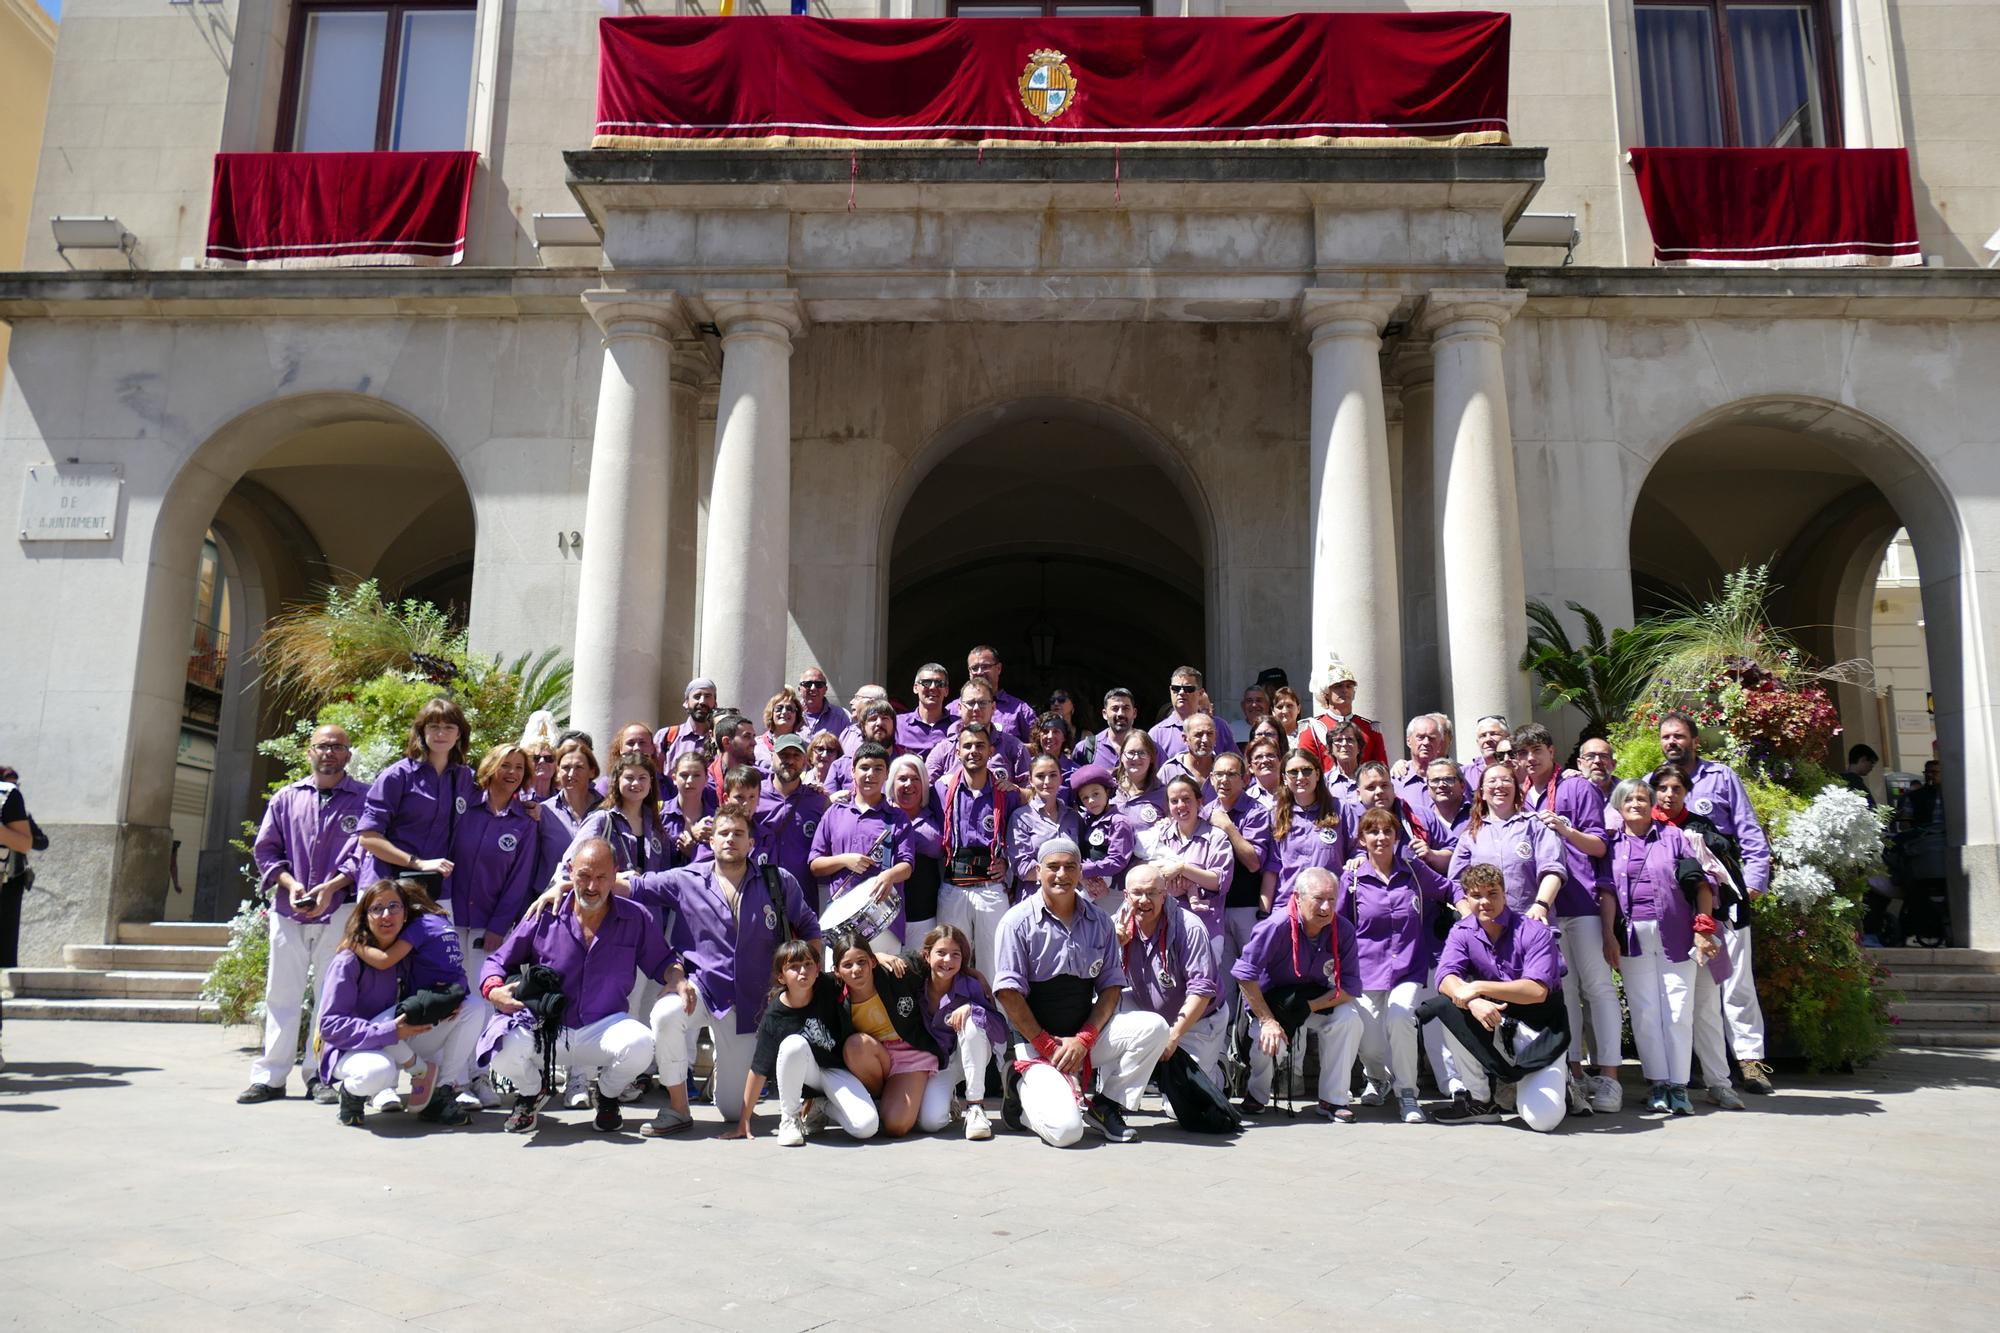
1304	79
339	210
1792	207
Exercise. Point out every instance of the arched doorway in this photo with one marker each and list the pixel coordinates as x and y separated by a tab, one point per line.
324	489
1063	534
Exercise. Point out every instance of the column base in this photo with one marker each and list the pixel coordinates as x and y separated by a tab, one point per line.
92	877
1975	897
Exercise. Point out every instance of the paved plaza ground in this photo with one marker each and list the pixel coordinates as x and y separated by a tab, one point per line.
134	1193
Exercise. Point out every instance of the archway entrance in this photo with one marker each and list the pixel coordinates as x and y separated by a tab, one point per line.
1060	539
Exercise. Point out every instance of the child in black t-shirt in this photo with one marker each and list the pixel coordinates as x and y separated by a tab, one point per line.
800	1044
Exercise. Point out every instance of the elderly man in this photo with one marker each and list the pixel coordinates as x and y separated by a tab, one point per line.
727	918
1169	734
1599	766
1199	733
1058	977
1717	795
1007	757
1489	733
1301	964
1011	717
920	729
1424	740
1499	980
857	708
689	736
818	711
599	944
1170	970
1103	748
1336	703
308	861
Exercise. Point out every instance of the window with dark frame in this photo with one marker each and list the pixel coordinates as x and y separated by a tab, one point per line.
365	76
1736	74
1048	9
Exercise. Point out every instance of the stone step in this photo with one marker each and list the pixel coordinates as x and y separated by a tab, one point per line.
1931	1011
111	1009
1928	984
206	933
143	957
1955	960
1906	1036
65	983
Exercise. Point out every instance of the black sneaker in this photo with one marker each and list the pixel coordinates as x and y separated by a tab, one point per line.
352	1108
443	1108
1756	1078
609	1119
1464	1110
527	1110
326	1094
1107	1118
260	1092
1010	1101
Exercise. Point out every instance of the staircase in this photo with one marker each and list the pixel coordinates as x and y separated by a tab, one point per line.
152	975
1951	997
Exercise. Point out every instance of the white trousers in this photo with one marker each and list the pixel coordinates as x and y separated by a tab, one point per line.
976	910
967	1064
448	1045
298	951
1589	985
1739	998
1661	993
846	1100
1205	1040
1542	1098
1443	1071
914	931
1338	1031
1389	1034
674	1034
615	1050
1124	1056
1710	1047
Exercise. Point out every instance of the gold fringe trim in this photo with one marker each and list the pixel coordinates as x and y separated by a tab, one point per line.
1470	139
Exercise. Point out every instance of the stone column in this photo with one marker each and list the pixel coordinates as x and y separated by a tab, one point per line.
1422	677
746	573
692	369
1483	622
620	610
1356	605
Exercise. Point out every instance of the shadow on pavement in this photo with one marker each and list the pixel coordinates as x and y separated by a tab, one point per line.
64	1076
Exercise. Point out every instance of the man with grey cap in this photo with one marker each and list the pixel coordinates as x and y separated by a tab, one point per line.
1058	974
689	736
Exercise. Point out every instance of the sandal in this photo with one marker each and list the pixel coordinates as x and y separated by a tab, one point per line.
1343	1115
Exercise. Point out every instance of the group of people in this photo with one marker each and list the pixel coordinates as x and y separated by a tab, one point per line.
895	916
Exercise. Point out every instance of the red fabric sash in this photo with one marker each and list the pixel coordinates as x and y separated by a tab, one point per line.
1316	79
1817	207
339	210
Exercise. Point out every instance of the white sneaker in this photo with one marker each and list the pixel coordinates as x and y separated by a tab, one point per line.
1579	1095
789	1133
977	1126
386	1100
813	1116
1607	1094
1408	1109
1372	1094
1721	1094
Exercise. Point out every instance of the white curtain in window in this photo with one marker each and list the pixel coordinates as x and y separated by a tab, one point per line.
1679	99
1777	76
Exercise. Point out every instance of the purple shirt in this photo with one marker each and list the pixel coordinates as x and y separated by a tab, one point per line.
493	861
727	954
834	719
1390	917
916	736
1108	844
673	824
1100	749
1028	827
840	774
631	849
1280	953
1169	735
1034	945
1305	845
1412	789
675	741
1642	875
1717	795
1253	823
1164	968
597	976
1142	811
1523	848
965	989
966	819
1207	848
1012	717
415	807
559	826
353	999
312	841
1009	756
1574	798
435	959
791	825
1526	950
879	832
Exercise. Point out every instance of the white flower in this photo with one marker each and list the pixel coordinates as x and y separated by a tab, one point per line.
1801	886
1838	835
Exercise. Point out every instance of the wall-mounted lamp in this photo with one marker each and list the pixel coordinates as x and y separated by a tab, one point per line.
564	229
92	233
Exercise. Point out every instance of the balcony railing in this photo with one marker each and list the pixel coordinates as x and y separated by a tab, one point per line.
208	659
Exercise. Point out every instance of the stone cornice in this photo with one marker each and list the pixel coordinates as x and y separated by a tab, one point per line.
1789	293
349	293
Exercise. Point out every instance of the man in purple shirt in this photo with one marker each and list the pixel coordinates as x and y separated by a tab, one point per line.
688	737
789	812
1058	976
1424	740
1120	713
920	729
726	923
1008	757
1499	975
1185	690
1300	959
1717	795
1600	766
1170	970
817	711
1011	717
878	724
308	861
975	806
599	943
863	844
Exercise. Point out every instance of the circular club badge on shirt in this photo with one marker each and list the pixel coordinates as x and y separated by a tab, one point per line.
1702	805
461	805
1331	970
1147	814
348	823
508	842
770	917
1524	848
1096	966
1095	841
986	823
1329	836
810	826
1166	977
906	1006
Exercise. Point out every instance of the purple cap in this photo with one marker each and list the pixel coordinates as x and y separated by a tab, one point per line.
1090	773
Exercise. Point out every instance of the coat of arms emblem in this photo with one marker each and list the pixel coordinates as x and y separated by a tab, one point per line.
1048	85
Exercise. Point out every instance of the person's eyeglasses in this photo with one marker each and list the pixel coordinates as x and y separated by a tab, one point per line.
1345	742
931	684
1503	752
1440	782
823	751
328	748
1183	689
1301	772
544	758
386	909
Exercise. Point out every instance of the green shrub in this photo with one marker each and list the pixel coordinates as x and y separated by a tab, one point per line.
235	985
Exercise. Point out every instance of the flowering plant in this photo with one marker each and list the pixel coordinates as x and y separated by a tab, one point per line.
235	984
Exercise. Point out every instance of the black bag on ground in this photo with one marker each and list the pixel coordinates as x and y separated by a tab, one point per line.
1198	1105
539	991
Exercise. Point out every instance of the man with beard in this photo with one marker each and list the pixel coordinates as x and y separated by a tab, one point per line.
1102	749
692	735
1011	717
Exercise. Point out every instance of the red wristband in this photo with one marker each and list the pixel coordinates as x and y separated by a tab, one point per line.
1704	924
1087	1035
1045	1046
488	986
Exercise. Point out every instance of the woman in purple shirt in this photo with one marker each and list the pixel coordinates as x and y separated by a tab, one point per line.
565	810
688	816
629	819
1140	797
1194	857
1308	828
414	804
1041	817
494	852
1391	899
1528	853
781	718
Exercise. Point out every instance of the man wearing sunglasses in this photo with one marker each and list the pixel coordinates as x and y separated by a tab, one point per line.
1169	734
920	729
820	712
